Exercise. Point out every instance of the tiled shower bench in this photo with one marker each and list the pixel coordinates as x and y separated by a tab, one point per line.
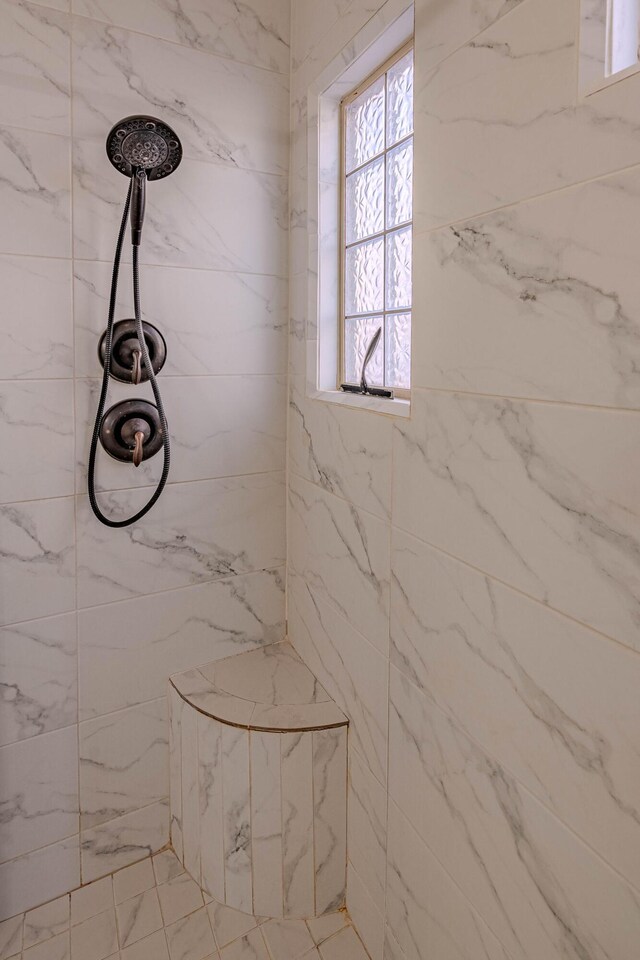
258	762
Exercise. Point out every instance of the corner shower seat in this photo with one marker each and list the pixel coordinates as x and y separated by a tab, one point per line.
258	762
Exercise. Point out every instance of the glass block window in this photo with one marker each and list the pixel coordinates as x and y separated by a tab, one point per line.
377	225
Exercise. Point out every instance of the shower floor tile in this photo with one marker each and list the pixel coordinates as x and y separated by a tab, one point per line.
154	911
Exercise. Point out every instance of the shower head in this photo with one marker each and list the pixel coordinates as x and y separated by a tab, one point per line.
142	148
144	143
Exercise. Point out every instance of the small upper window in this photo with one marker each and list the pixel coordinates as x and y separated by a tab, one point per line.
377	214
623	21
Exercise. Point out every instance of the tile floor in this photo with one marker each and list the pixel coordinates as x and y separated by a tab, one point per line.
153	910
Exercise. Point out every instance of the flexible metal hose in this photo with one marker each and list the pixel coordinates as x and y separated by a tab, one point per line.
108	342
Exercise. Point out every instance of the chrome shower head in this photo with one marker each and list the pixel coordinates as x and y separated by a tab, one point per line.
144	143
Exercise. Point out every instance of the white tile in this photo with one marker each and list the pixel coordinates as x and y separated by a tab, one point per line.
229	924
123	762
121	842
166	866
191	938
219	426
257	33
35	194
287	939
11	937
37	416
441	29
38	547
322	928
247	128
38	792
526	492
46	921
34	46
38	661
237	818
366	822
368	918
349	668
191	841
38	292
38	877
489	111
138	917
344	555
170	632
199	215
95	939
346	945
58	948
330	818
548	698
91	900
266	824
296	763
536	300
249	947
133	881
151	948
346	452
211	809
531	879
204	531
200	340
426	913
179	897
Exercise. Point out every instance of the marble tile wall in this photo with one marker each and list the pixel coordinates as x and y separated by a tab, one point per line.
93	621
466	583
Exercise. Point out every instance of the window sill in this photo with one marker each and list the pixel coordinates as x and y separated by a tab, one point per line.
391	408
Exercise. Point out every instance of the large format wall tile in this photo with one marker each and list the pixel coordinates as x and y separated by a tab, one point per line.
39	792
426	912
119	74
541	496
367	825
540	889
442	27
219	427
213	322
555	703
38	877
123	762
170	632
196	218
120	842
255	32
196	532
37	559
329	818
38	664
345	451
36	425
491	105
37	338
343	553
35	193
538	300
352	672
34	41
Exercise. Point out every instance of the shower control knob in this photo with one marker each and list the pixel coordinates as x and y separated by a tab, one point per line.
125	351
131	431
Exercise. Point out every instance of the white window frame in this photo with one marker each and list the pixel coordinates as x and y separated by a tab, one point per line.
384	34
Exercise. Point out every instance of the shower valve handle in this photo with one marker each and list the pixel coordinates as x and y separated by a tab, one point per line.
137	450
136	370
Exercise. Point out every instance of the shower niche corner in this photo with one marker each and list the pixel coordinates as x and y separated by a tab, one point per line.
258	764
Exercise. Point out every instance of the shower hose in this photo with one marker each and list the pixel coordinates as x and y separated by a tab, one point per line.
105	382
